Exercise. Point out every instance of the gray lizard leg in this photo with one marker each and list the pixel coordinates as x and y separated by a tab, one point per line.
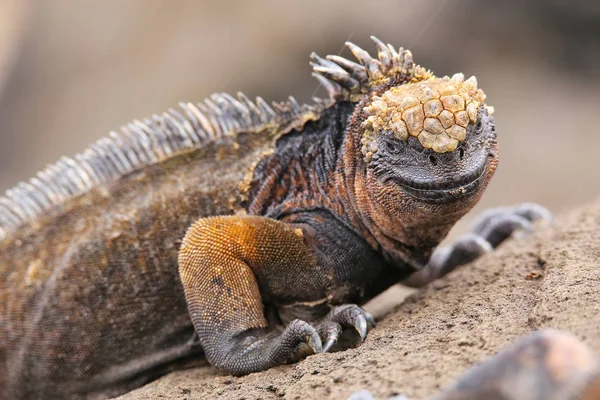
227	266
490	229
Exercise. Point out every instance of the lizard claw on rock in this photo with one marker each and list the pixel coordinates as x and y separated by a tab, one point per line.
314	341
299	332
328	344
490	229
331	331
370	319
361	327
346	316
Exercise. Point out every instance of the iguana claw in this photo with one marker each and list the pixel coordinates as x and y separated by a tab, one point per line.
346	316
314	341
370	319
330	342
361	327
490	229
497	224
330	331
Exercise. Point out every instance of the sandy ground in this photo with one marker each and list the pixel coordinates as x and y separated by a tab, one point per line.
551	279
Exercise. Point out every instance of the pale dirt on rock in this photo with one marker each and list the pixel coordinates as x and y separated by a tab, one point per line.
551	279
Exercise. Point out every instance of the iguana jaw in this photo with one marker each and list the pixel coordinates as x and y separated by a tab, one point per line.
441	192
426	176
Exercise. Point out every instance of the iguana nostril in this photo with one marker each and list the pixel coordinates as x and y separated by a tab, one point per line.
433	160
461	153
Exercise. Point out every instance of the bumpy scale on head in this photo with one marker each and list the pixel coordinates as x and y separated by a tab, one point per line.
435	110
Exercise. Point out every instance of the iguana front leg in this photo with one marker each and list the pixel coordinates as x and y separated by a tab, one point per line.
228	267
490	229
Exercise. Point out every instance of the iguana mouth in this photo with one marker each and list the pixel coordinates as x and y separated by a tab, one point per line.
444	191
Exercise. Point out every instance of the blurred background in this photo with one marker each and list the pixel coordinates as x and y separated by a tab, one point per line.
70	71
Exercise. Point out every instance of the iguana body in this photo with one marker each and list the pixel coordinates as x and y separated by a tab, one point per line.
315	207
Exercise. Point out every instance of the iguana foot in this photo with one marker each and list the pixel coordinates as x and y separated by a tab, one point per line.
466	248
259	350
490	229
222	261
299	339
497	224
348	316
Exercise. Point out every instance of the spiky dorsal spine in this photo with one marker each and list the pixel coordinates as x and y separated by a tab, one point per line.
347	80
142	143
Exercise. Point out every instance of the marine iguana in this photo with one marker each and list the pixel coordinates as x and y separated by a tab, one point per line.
244	233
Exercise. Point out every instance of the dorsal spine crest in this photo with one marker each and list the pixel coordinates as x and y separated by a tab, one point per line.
141	143
347	80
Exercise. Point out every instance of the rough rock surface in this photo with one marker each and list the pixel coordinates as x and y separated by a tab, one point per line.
551	279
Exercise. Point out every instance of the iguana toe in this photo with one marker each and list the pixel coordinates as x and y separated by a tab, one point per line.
497	224
314	342
465	249
361	327
330	331
299	332
348	316
370	319
490	229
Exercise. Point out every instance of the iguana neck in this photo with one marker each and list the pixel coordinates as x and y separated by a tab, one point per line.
321	169
302	173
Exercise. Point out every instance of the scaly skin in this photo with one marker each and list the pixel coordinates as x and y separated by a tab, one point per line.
296	216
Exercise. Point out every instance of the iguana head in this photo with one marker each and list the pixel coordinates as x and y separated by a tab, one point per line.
434	138
424	147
